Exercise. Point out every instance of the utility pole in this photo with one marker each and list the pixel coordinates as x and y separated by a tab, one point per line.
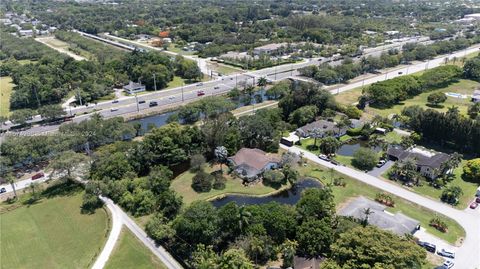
275	72
183	84
386	74
79	97
291	69
155	81
136	100
236	80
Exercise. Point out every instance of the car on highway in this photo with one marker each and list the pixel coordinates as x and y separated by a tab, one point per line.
199	84
38	175
153	103
446	253
216	87
400	73
2	190
141	102
171	97
428	246
473	205
113	109
200	93
324	157
115	101
448	264
334	162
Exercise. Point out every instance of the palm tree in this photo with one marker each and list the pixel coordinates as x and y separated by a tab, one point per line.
11	180
262	82
367	212
316	133
453	111
243	217
221	155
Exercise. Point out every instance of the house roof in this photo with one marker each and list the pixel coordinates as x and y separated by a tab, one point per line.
133	85
323	125
435	160
395	223
273	46
252	159
476	93
305	263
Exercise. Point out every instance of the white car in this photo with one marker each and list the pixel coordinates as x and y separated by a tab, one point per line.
446	253
448	264
113	109
324	157
171	97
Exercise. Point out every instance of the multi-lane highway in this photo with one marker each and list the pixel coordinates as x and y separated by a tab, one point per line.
180	95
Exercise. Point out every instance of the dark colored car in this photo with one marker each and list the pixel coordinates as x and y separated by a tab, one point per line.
473	205
334	162
153	103
477	200
38	175
2	190
428	246
141	102
200	93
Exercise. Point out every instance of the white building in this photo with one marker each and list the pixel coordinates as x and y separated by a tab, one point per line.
475	16
133	87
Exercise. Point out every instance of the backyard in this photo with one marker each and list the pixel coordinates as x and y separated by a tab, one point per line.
130	253
182	185
355	188
6	87
52	233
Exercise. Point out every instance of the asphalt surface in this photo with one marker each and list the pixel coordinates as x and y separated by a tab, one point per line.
468	254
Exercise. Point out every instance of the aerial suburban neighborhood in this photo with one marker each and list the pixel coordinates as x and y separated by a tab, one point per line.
244	134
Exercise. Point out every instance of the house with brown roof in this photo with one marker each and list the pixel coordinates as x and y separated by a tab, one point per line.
249	164
429	163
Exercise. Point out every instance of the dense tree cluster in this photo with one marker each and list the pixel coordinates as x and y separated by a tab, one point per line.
389	92
24	49
449	129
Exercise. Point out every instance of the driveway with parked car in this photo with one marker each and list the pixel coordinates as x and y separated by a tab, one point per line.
378	171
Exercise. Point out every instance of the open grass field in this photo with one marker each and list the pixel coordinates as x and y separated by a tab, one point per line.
182	185
129	253
355	188
52	233
469	189
6	87
349	97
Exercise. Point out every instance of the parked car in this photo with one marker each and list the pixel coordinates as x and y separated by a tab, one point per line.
38	175
477	200
381	163
428	246
446	253
200	93
153	103
141	102
473	205
324	157
448	264
2	190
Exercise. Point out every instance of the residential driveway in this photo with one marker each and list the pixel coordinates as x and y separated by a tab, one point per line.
468	254
377	172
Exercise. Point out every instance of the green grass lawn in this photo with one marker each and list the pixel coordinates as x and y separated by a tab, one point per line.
52	233
6	87
182	185
356	188
393	137
469	189
129	252
463	86
349	97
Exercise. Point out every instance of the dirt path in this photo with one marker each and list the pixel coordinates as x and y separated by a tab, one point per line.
45	40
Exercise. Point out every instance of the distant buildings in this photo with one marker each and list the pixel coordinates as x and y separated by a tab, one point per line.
429	163
475	16
269	48
132	87
249	164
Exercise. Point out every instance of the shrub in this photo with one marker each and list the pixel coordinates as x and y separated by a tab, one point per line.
273	177
439	224
471	170
202	182
354	131
365	159
339	182
219	183
197	161
451	195
385	199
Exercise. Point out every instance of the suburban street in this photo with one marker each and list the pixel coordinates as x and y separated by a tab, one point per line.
468	254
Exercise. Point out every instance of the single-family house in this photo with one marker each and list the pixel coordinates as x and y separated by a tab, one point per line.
249	163
476	96
27	33
133	87
324	127
429	163
269	48
396	223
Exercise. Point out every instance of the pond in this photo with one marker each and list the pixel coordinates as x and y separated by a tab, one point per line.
349	148
290	196
161	119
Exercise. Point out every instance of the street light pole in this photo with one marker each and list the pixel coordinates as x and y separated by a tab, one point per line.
183	84
275	72
136	100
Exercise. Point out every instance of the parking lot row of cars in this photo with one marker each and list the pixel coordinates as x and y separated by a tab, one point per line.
443	252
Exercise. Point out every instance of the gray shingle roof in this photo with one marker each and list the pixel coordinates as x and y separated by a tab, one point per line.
434	161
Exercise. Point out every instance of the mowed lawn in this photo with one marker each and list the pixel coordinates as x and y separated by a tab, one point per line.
52	234
355	188
182	185
6	87
129	253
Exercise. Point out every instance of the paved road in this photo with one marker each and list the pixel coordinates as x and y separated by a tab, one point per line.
468	254
22	184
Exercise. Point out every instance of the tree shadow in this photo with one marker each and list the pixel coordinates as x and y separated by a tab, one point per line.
67	188
435	106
